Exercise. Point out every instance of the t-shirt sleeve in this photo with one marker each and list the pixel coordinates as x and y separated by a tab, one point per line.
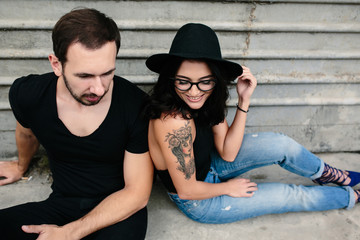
138	135
17	94
138	141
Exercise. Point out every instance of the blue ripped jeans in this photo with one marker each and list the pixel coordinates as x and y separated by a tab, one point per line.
258	150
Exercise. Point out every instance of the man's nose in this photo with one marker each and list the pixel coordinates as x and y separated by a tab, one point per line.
97	87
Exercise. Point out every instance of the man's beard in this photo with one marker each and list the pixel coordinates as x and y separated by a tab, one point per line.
80	98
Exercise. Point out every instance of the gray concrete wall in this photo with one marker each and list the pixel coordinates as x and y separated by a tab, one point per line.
305	55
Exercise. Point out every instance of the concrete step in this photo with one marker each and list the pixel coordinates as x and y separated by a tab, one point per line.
167	222
270	71
236	45
316	15
247	30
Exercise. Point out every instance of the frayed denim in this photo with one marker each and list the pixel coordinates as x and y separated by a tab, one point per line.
258	150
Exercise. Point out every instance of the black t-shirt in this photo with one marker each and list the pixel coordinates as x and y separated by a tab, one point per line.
203	146
90	166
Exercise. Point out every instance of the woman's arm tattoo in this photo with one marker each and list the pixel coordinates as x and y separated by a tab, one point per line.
180	142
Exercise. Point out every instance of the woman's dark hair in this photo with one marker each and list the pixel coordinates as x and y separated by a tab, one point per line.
87	26
164	99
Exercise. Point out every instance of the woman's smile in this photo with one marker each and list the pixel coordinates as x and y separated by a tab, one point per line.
195	99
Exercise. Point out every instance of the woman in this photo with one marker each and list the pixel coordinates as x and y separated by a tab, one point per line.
199	157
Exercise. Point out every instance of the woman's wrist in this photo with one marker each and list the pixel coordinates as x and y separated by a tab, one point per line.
243	105
241	110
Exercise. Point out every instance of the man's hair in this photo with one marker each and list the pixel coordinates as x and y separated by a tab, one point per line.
89	27
164	99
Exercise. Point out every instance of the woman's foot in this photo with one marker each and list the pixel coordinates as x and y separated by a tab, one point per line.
338	177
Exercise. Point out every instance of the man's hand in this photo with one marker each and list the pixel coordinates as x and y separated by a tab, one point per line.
27	145
9	172
47	232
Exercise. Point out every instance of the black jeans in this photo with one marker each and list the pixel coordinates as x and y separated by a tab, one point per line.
62	210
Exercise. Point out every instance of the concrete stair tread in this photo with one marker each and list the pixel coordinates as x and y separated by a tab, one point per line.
173	25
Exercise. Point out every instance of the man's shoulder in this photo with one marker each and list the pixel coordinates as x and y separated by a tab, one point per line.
34	81
30	88
28	93
127	87
124	82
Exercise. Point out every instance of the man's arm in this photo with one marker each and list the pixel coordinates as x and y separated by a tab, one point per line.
138	172
27	145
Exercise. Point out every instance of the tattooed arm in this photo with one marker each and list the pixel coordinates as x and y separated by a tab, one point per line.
181	145
171	147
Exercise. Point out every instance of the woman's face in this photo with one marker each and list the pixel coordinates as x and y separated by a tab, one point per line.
194	71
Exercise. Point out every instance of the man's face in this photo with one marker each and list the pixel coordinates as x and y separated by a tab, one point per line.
88	73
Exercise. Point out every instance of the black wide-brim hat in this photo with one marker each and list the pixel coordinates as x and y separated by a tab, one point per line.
195	41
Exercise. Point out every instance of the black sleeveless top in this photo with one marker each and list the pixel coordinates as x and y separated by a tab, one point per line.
203	145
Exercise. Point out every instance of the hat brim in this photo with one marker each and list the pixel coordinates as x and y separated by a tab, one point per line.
156	63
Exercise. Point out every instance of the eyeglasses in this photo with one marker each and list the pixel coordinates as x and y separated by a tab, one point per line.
184	85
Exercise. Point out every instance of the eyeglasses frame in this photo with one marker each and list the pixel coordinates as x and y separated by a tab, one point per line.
196	84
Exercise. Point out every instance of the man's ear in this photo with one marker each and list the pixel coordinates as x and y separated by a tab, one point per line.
55	64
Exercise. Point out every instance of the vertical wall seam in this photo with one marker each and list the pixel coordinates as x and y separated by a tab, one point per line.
249	25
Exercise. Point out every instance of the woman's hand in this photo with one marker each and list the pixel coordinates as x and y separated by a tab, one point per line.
241	187
246	85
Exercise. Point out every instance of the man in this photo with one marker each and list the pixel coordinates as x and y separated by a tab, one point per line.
88	120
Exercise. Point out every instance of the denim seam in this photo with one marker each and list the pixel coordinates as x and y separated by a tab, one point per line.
351	203
259	165
320	172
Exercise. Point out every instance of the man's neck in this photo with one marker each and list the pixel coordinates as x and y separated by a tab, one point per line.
81	120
